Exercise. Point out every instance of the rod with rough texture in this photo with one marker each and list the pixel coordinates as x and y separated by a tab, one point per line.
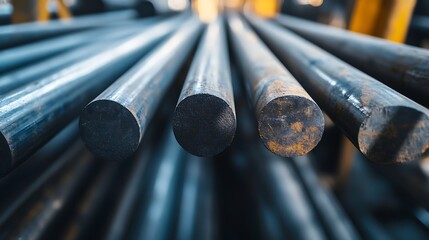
204	120
31	115
289	122
113	125
384	125
404	68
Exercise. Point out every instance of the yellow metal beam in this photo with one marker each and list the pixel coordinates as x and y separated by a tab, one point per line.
387	19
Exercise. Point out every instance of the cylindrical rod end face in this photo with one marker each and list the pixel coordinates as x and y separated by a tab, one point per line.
291	125
204	125
6	161
395	134
109	130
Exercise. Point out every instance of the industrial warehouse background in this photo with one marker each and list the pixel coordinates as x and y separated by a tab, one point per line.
214	119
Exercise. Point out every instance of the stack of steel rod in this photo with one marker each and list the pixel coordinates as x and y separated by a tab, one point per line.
167	127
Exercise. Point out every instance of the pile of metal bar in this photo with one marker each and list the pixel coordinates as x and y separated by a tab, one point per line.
114	127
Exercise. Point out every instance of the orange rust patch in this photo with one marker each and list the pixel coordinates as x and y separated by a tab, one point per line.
277	148
297	126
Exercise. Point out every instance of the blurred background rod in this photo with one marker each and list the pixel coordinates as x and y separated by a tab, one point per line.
384	125
133	99
289	122
204	120
39	208
14	35
11	59
335	221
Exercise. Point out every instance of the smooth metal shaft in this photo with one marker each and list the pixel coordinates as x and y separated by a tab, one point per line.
113	125
289	122
404	68
384	125
204	120
33	114
14	35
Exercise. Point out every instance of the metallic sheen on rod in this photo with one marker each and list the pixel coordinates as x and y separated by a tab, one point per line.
404	68
14	35
31	115
289	122
204	120
384	125
113	125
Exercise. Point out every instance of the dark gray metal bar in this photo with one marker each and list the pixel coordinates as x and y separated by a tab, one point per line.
33	214
127	204
14	35
384	125
83	221
335	221
289	122
156	217
404	68
113	124
31	116
13	184
279	186
22	76
11	59
204	120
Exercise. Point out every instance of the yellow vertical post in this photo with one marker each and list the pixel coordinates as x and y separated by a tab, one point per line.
63	11
207	10
387	19
42	11
265	8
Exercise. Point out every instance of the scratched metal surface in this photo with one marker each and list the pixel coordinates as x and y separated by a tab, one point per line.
113	125
31	115
384	125
204	120
404	68
289	122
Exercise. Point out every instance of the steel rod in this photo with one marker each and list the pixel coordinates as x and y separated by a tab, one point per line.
384	125
13	58
113	124
22	76
404	68
34	113
159	203
204	120
289	122
33	213
14	35
334	219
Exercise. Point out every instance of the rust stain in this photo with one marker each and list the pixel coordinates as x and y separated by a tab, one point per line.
296	127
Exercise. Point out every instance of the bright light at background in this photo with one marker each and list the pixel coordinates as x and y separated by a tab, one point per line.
207	10
314	3
178	5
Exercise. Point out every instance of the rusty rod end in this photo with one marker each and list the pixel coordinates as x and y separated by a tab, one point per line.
109	130
291	125
204	125
395	134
